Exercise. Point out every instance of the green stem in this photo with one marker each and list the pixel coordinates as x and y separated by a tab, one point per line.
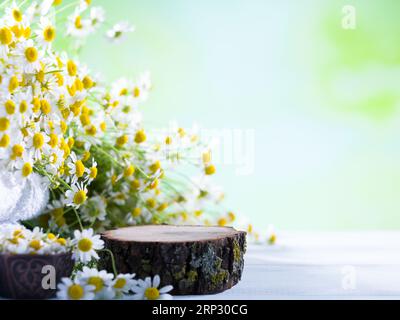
112	261
78	219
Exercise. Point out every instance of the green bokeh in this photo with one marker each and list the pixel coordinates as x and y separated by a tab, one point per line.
324	101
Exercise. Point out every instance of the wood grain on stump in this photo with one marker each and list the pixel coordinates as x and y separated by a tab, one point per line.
194	259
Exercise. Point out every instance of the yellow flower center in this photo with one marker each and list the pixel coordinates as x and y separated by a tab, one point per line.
222	222
17	15
103	126
129	171
123	92
27	170
4	141
206	157
91	130
86	156
198	213
85	119
4	124
71	142
75	292
5	36
79	169
151	203
31	54
45	106
17	151
121	141
62	241
49	33
136	212
51	236
78	22
80	197
53	158
36	104
97	282
63	126
210	170
93	172
155	166
136	92
38	140
120	283
13	84
53	140
135	184
87	82
140	137
10	107
85	245
72	68
152	293
35	244
23	107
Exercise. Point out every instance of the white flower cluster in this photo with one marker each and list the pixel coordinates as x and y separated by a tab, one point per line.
91	284
16	239
86	139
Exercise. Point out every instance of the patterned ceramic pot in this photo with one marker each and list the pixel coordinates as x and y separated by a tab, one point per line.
21	276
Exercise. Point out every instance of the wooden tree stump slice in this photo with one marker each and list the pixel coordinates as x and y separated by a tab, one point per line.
194	259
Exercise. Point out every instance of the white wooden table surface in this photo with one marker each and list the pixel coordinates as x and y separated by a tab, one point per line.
338	265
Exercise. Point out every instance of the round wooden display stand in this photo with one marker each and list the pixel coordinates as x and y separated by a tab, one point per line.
194	259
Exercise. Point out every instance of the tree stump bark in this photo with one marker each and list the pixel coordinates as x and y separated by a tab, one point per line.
194	259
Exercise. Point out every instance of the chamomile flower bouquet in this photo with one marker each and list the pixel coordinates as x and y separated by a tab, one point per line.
79	146
84	138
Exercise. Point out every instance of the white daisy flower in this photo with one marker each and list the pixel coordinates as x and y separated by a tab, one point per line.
139	216
56	160
91	173
119	31
77	26
30	56
95	209
46	33
86	245
148	290
123	284
24	167
76	168
97	16
77	196
14	15
101	280
37	142
75	290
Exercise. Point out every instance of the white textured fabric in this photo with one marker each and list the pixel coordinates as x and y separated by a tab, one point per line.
21	201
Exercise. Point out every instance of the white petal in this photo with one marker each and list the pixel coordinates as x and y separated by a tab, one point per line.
156	281
166	289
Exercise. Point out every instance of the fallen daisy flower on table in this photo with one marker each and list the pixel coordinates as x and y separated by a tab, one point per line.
70	289
147	289
101	280
92	284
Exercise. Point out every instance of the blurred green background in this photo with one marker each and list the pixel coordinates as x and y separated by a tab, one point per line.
323	100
